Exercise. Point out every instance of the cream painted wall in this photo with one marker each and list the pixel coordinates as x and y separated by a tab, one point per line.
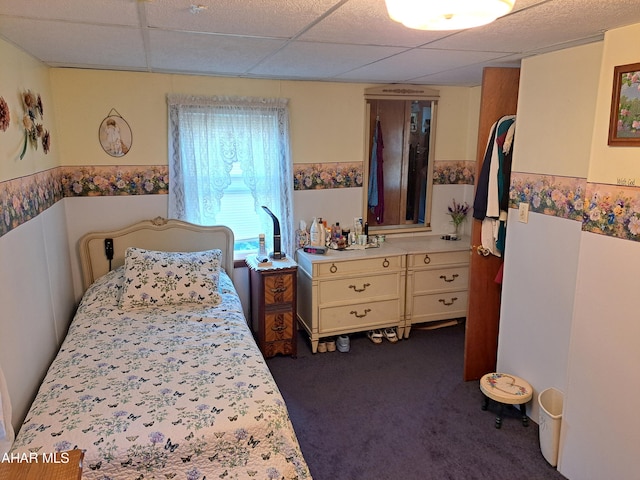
568	301
600	431
20	72
475	97
556	110
457	123
552	138
610	163
327	119
36	293
599	437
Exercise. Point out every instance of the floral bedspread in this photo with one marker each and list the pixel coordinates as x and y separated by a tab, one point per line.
163	393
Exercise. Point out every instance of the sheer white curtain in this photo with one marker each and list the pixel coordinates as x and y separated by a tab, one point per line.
207	135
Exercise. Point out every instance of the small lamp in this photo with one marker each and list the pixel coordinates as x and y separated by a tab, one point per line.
447	14
277	253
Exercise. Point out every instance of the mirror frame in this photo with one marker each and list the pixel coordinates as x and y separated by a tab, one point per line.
402	93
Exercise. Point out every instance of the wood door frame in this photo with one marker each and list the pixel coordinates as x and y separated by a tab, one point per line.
499	98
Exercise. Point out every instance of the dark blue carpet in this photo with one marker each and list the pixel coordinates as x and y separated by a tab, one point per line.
402	411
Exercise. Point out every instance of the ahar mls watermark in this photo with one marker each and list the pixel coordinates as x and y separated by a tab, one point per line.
33	457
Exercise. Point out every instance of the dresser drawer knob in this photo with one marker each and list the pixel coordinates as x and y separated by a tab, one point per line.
453	277
427	259
444	302
386	263
278	290
356	289
278	328
333	268
366	310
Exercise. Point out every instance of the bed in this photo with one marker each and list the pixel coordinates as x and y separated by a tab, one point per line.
162	388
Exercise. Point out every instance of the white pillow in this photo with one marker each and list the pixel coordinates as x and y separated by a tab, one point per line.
153	278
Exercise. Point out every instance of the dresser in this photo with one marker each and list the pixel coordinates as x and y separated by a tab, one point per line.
349	291
406	281
273	305
437	279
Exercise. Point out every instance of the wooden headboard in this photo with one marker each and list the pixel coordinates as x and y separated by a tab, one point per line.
157	234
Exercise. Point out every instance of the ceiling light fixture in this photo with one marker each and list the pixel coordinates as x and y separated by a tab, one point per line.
447	14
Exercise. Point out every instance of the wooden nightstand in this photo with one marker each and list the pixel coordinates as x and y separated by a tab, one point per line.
273	305
58	466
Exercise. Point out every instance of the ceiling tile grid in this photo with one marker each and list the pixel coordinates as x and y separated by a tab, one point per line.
329	40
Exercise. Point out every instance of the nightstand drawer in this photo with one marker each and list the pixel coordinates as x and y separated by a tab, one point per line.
441	258
450	278
377	265
278	326
359	317
357	289
278	288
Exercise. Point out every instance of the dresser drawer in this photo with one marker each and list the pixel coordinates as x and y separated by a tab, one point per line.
416	260
439	306
449	278
374	265
357	289
278	288
359	317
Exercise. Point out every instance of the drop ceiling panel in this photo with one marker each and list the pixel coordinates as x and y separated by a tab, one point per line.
77	44
202	53
273	18
117	12
345	40
548	24
320	60
417	63
467	76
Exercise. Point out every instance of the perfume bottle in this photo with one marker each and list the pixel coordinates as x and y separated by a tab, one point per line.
262	251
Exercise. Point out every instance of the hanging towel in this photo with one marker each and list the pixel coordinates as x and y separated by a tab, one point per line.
496	169
376	176
6	428
480	200
492	192
372	193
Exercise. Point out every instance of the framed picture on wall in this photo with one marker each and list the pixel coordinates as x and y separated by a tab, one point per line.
624	123
115	135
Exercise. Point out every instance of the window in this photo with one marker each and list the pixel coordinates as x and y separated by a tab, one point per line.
228	157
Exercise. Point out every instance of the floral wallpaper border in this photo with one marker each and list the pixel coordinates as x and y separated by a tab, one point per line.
549	194
454	172
22	199
319	176
605	209
115	180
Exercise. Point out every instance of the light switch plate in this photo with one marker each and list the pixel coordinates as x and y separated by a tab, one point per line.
523	212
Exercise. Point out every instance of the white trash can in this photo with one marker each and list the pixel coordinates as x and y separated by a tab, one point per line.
550	416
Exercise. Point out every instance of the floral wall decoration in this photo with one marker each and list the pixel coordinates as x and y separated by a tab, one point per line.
5	117
33	129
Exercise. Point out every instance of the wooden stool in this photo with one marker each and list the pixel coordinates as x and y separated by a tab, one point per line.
506	390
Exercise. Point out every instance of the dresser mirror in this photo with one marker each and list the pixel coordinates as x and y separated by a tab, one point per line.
398	189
